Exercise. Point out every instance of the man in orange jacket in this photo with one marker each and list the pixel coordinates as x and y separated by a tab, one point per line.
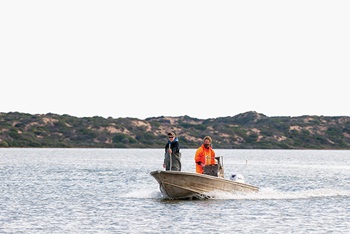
205	155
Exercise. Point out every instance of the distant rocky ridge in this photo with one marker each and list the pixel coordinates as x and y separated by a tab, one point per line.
250	130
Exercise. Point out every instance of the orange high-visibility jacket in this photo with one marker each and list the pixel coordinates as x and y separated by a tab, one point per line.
205	157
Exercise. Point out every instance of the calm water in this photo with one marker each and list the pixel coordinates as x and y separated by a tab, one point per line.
111	191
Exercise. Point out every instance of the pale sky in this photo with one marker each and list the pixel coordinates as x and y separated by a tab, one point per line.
204	59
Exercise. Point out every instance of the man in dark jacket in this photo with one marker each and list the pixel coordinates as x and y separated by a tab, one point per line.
172	156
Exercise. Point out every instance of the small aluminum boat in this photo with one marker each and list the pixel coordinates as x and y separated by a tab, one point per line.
189	185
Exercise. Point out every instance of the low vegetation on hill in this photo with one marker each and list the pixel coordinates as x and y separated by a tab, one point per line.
250	130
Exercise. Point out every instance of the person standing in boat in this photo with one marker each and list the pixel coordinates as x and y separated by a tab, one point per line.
205	155
172	156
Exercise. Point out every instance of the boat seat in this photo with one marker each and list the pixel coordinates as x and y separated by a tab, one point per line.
211	170
215	169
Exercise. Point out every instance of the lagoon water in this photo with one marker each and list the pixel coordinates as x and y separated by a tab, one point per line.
111	191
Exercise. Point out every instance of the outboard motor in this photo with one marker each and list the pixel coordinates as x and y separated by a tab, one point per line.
237	178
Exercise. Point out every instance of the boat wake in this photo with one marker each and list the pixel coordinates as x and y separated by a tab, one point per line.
270	193
263	194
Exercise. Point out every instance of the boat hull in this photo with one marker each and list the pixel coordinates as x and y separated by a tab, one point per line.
187	185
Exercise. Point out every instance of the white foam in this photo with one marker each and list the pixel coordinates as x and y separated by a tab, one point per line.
143	194
270	193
